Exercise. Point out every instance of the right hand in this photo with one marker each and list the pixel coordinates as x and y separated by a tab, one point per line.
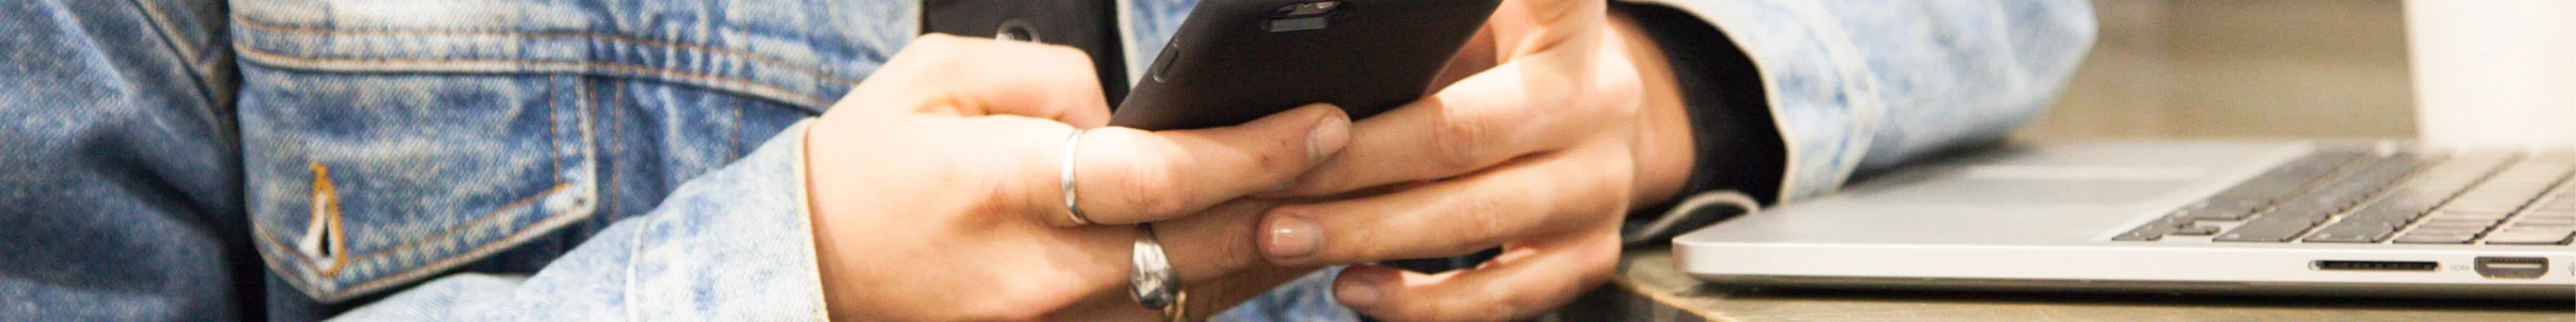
936	196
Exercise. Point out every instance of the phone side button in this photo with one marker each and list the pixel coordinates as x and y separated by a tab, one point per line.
1163	63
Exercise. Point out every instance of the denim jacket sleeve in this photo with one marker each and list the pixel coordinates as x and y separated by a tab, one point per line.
733	245
1860	86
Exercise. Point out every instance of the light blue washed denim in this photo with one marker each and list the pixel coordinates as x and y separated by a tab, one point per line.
604	159
1860	85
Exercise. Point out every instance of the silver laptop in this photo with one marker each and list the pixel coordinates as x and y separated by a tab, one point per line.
2278	217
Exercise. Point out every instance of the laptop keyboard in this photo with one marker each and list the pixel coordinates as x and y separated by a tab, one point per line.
2359	197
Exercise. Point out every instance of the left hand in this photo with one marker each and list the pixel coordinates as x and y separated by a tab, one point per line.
1541	151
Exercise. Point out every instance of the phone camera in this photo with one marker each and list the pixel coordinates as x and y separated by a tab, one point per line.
1306	9
1017	30
1302	16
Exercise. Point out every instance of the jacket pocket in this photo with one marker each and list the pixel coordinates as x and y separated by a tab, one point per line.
358	182
388	141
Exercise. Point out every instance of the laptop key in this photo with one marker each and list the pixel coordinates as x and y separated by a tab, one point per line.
2541	225
2212	214
2265	230
2382	221
2457	224
2535	229
2447	231
2446	214
2140	235
2350	232
2546	213
2537	221
2151	232
2196	230
2312	216
2530	237
2396	213
2424	238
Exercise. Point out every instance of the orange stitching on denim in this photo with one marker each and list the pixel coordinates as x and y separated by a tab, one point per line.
718	81
616	93
263	26
554	129
337	234
733	141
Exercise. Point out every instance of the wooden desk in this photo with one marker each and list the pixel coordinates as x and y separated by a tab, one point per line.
1648	288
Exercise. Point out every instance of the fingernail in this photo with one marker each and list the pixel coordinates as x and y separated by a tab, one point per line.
1357	293
1291	236
1329	136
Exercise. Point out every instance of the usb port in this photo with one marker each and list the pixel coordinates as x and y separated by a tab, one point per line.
2381	266
2513	267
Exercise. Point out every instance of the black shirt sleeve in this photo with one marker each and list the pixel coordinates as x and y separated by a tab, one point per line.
1738	147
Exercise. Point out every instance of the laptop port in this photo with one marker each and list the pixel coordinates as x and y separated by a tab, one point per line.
2513	267
2379	266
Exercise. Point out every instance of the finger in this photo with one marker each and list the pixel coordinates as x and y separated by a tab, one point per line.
1534	196
1209	298
1512	110
1124	176
1216	243
1211	251
1523	282
1007	78
1526	27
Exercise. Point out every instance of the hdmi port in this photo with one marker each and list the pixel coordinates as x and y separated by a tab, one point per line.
2380	266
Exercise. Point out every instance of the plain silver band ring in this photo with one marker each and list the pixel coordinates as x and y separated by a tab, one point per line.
1152	283
1071	204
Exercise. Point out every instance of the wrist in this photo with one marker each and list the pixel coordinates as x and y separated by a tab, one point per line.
840	295
1665	151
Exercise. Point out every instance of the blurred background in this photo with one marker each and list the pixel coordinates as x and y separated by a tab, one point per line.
2242	68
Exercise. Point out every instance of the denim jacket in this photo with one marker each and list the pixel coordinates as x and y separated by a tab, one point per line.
602	159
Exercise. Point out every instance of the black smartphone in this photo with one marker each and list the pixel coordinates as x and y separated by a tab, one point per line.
1233	61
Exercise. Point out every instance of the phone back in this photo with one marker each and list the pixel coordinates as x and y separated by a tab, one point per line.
1235	61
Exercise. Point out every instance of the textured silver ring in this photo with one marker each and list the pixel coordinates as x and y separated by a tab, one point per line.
1071	204
1152	283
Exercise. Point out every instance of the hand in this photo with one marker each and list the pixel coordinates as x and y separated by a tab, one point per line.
936	193
1540	154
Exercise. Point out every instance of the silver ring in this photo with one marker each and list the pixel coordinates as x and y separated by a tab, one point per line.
1071	204
1152	282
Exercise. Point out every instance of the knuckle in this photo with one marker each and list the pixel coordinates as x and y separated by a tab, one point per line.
1000	194
1462	136
1615	187
1480	220
1151	187
1610	106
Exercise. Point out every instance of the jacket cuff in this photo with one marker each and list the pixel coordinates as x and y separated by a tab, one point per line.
742	236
